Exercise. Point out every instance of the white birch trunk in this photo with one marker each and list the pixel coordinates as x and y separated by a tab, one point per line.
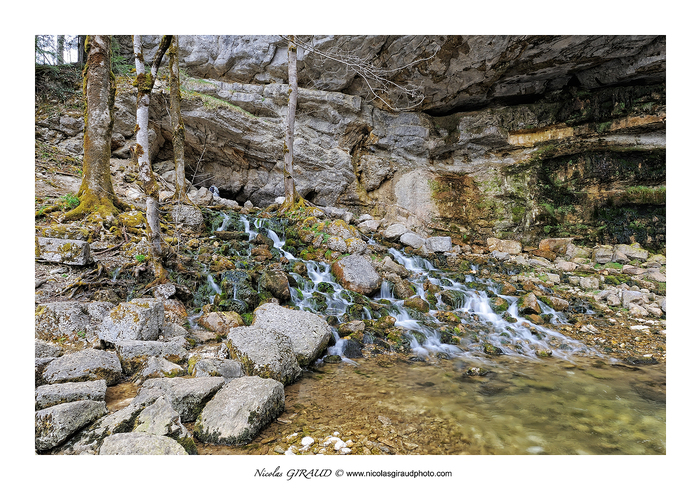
289	189
143	101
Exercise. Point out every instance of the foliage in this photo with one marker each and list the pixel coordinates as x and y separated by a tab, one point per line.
70	201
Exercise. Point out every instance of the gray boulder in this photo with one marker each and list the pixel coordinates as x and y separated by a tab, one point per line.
69	252
603	254
308	332
85	365
589	283
70	320
394	231
186	395
188	217
157	367
240	410
139	319
438	244
134	354
55	424
265	353
50	395
139	443
225	368
411	239
46	349
160	419
356	273
389	266
633	251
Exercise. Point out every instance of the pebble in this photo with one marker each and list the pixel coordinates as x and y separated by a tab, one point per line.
307	441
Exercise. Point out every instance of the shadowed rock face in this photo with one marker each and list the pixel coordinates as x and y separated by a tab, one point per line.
517	136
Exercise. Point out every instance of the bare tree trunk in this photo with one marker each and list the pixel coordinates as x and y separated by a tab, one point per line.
144	83
176	122
82	51
289	189
60	44
96	192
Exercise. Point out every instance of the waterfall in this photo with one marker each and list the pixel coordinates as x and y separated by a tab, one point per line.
516	336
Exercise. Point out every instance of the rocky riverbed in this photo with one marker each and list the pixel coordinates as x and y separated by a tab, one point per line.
229	334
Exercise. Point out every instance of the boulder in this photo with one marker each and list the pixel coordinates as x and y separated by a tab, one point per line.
50	395
55	424
220	321
139	319
630	297
655	275
349	328
589	283
85	365
603	254
225	368
46	349
157	367
337	244
558	304
528	305
555	245
389	266
565	266
240	410
411	239
186	395
633	251
308	332
59	250
140	443
356	273
417	303
394	231
202	196
265	353
576	252
355	246
369	227
134	354
276	283
438	244
619	257
189	217
160	419
70	320
508	246
341	229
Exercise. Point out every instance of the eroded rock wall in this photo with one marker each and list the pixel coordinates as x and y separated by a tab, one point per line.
518	136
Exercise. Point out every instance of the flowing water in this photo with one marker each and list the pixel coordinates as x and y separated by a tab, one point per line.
443	398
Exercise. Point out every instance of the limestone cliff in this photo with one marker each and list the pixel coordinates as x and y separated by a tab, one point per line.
517	136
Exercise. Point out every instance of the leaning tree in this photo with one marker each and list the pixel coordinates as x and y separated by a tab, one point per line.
144	83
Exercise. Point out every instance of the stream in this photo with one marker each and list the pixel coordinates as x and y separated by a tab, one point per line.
442	398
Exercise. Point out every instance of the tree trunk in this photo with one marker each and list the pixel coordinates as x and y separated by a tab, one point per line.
289	189
96	192
176	123
82	54
60	44
144	83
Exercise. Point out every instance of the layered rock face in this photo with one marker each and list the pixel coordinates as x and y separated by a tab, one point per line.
515	136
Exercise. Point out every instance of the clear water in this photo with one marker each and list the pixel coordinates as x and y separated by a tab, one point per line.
577	401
